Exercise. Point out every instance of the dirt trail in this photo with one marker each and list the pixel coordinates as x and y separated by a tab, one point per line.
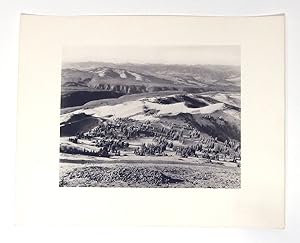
149	162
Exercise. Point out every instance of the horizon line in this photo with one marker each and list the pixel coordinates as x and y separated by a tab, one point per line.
150	63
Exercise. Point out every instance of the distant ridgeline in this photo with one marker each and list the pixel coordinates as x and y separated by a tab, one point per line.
84	82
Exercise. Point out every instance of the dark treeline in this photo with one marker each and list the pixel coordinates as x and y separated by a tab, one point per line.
101	152
113	136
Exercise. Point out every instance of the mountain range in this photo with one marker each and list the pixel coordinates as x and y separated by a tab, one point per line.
97	75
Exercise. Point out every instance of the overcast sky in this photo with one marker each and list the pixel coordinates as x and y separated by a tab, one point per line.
224	55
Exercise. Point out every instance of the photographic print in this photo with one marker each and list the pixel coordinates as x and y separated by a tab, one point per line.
159	120
157	116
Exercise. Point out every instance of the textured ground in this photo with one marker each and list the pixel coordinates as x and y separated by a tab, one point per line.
149	175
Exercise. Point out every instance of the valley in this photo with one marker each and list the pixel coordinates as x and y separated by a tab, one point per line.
150	125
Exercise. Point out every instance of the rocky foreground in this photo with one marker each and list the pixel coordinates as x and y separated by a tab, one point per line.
202	176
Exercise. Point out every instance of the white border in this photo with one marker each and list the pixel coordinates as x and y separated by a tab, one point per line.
9	24
259	202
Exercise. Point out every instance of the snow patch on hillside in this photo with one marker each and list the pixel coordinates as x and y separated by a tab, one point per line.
136	110
126	109
230	99
176	108
101	72
138	77
121	73
66	117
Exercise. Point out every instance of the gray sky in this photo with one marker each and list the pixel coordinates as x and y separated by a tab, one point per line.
223	55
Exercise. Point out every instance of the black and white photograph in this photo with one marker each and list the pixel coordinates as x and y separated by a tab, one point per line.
128	121
150	117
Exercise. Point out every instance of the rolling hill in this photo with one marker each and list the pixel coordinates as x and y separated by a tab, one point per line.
124	79
204	113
